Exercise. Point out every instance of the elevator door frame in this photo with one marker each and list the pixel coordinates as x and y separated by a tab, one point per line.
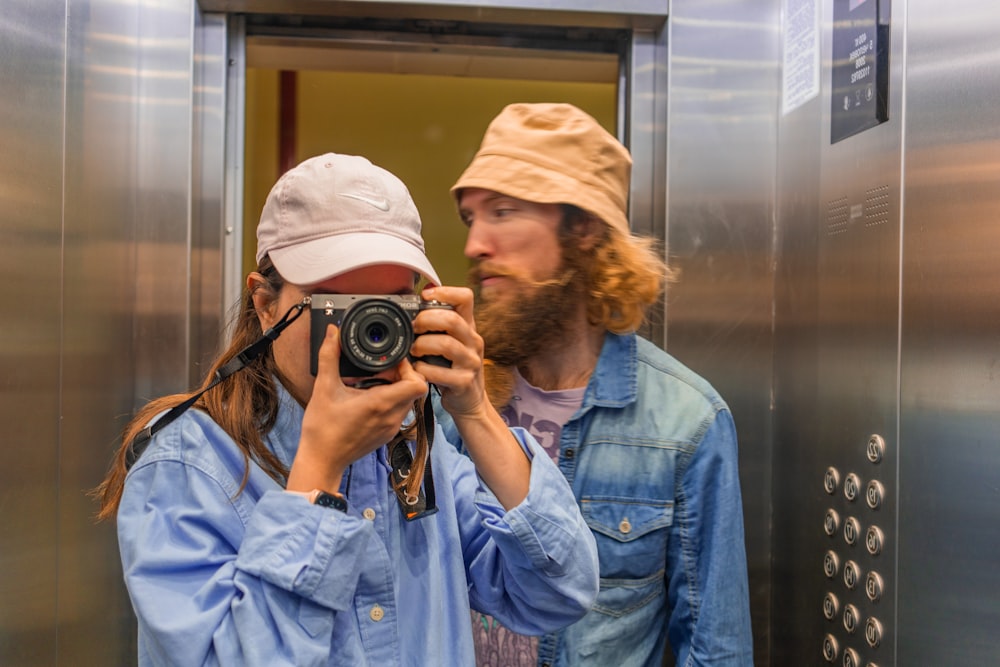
641	101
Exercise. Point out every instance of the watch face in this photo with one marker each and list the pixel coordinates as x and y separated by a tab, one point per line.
336	502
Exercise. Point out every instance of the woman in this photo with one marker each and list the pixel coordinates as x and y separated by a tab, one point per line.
288	519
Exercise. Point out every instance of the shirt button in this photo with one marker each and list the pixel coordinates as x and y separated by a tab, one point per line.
377	613
625	526
369	514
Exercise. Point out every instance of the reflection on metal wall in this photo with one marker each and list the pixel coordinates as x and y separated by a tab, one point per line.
886	333
721	150
95	216
949	428
31	69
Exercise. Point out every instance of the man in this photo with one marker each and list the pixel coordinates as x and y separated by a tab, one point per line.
283	521
647	445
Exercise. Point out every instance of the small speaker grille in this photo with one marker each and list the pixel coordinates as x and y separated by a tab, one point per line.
877	206
838	216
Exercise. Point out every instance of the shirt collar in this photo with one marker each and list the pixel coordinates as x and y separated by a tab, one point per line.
615	381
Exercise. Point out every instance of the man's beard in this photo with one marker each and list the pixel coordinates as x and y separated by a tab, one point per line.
535	316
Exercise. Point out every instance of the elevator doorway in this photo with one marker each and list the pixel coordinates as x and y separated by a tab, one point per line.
414	94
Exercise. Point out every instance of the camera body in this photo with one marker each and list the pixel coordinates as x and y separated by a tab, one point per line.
376	330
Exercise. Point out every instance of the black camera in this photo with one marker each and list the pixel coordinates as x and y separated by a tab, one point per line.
376	330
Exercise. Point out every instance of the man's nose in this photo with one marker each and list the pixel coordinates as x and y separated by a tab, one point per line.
477	242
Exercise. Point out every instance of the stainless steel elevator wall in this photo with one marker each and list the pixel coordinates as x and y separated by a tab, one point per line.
100	260
831	291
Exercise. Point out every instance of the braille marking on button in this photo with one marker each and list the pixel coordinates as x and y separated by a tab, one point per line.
625	527
377	613
369	514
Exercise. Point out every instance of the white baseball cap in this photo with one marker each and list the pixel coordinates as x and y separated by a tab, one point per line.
335	213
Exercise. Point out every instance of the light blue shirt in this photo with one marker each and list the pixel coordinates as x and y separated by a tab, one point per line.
652	458
223	576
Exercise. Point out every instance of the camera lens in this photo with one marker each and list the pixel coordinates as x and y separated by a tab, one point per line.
375	334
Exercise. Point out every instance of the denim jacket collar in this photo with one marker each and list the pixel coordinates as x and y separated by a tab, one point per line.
615	381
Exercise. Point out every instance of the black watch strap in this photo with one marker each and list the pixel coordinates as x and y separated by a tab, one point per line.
332	500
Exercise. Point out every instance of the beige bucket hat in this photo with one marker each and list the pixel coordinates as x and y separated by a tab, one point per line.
553	154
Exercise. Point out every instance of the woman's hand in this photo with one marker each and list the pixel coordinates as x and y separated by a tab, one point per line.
499	459
342	424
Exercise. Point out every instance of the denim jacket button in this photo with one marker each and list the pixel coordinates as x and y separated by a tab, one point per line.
625	526
570	452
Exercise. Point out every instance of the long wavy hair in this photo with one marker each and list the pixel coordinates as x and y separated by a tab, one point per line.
624	274
245	406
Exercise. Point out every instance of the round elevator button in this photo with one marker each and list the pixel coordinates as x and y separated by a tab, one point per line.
831	524
874	540
874	586
875	494
831	649
831	605
852	487
876	448
852	529
831	480
873	632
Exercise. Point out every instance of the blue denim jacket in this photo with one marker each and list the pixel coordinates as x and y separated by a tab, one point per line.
220	574
651	456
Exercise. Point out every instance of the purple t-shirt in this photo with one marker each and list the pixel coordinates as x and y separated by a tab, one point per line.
541	413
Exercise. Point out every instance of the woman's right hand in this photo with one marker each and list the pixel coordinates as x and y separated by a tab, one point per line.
342	424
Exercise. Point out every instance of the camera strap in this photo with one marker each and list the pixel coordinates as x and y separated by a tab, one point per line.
400	458
237	363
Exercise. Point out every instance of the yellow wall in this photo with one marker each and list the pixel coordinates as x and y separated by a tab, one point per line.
424	129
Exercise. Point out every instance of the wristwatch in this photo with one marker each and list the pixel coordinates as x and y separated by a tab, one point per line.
326	499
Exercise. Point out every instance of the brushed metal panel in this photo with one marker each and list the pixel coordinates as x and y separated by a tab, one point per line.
724	83
163	176
209	231
836	367
949	505
643	113
98	270
644	14
32	45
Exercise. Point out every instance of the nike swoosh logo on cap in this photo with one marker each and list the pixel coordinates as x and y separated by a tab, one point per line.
381	203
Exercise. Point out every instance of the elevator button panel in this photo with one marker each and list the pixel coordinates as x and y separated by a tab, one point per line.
854	564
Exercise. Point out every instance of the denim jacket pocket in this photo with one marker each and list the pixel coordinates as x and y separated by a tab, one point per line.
631	534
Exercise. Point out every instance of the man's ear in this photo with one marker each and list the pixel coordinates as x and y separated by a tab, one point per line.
589	230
